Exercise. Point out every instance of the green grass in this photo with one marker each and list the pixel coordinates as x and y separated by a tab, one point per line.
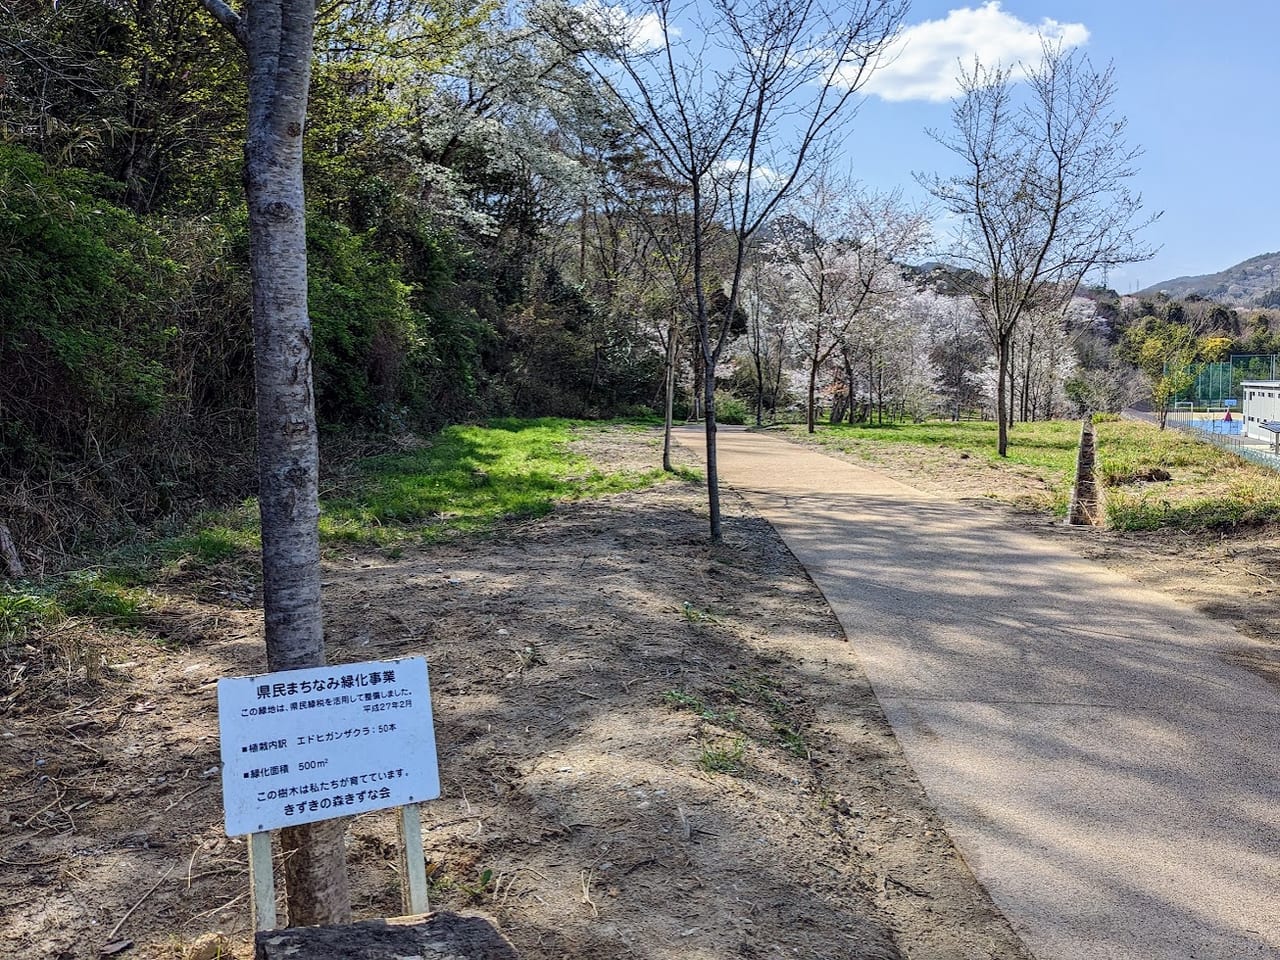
468	480
725	756
683	700
102	595
792	741
1208	488
22	609
1043	450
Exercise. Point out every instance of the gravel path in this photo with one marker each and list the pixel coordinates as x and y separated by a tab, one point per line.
1106	765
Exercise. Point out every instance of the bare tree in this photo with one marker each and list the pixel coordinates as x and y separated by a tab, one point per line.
768	333
277	35
1043	197
841	247
739	99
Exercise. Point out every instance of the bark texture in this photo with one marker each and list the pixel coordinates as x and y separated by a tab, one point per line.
278	35
9	552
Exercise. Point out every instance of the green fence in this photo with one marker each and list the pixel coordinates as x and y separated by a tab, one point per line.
1215	382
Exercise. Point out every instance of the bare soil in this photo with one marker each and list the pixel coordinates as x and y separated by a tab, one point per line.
649	747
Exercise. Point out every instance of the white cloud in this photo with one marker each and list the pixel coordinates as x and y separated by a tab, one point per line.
732	171
924	60
641	33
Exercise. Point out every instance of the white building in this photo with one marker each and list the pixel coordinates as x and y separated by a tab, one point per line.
1261	405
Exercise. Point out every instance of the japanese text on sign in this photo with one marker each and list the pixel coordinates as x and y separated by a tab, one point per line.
306	745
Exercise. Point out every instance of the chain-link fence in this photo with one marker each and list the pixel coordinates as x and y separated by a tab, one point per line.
1214	383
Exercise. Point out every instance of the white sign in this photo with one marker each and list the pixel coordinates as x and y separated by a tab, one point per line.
325	742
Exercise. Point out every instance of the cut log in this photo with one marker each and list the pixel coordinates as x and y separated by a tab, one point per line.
436	936
9	551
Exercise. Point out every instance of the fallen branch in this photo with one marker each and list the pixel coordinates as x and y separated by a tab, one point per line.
153	888
586	877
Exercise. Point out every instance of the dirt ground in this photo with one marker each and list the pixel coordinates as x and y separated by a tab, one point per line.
649	747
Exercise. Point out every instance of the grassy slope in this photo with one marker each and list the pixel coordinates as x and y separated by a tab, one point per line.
1209	488
1043	452
467	479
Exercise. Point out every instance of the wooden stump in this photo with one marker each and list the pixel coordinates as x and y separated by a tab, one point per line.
437	936
9	551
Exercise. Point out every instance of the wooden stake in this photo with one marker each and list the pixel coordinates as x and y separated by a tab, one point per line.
262	879
413	865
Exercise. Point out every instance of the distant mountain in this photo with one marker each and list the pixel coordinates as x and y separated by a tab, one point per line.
1246	284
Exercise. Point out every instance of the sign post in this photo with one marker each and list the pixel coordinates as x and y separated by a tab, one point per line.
319	743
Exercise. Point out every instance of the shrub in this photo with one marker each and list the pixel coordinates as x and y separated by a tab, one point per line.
731	410
84	290
366	334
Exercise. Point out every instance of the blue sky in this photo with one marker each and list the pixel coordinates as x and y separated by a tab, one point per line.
1198	84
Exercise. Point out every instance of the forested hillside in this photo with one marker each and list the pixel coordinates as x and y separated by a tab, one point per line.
450	156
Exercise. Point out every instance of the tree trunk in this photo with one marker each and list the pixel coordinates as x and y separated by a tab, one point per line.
713	473
847	357
758	363
1002	410
1026	379
669	400
839	406
813	396
871	384
9	551
776	375
279	41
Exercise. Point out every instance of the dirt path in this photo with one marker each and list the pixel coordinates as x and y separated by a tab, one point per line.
649	749
1104	756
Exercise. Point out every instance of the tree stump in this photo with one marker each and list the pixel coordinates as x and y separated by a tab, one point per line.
9	551
434	936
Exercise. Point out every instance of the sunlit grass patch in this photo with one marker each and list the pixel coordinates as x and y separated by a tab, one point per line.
102	596
22	609
1206	487
468	479
1042	451
99	595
